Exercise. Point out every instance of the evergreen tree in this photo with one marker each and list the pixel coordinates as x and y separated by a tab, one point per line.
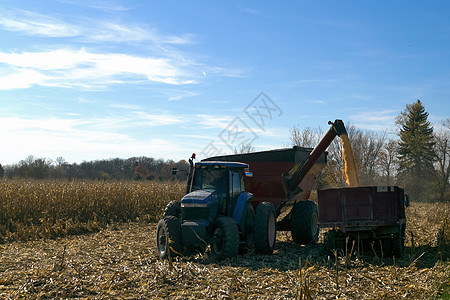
416	154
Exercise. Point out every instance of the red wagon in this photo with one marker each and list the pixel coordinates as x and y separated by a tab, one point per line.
375	214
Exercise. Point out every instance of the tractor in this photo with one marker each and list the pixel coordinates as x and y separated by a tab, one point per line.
216	211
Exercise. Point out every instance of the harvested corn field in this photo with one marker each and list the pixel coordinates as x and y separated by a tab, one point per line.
35	209
121	262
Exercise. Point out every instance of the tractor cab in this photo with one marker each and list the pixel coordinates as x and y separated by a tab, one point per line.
223	179
214	190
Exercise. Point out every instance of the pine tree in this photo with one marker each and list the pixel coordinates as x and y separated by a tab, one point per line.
416	154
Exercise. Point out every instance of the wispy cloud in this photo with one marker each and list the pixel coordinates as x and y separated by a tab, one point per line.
213	121
85	29
222	71
160	119
81	68
375	120
35	24
107	31
126	106
98	4
178	95
76	65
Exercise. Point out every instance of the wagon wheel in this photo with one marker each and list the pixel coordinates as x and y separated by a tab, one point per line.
398	242
304	222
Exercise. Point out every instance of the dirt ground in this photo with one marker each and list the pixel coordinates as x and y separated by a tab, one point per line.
121	263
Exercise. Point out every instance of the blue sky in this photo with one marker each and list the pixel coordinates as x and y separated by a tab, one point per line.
88	80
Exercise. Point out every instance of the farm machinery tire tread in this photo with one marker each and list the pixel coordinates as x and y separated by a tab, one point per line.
173	208
398	242
265	228
225	242
168	237
304	218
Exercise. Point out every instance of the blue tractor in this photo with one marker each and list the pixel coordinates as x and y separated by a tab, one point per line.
216	211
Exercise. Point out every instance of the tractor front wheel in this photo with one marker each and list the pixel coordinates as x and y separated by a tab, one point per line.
168	237
225	242
173	208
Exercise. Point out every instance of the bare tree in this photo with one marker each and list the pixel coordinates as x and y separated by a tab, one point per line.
388	161
442	150
244	148
334	171
367	146
307	137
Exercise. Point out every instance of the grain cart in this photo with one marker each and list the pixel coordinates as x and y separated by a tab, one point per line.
372	216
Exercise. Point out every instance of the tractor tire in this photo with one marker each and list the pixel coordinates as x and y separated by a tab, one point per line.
173	208
304	219
168	237
225	242
398	242
265	227
247	229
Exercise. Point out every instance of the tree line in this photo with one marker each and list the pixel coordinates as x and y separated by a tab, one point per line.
136	168
416	158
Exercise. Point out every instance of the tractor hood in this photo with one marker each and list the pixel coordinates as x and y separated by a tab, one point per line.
200	198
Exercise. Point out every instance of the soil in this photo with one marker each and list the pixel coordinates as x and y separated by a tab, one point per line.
121	263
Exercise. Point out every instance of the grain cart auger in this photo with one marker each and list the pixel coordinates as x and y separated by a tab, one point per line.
301	214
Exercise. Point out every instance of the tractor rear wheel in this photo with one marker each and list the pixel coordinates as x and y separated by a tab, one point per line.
247	228
225	242
173	208
168	237
265	228
304	219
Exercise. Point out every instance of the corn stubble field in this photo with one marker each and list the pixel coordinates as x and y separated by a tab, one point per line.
96	240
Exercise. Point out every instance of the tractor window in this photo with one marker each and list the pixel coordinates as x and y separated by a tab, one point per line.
236	183
210	179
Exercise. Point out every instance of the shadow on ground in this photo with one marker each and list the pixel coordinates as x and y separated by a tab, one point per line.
288	256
